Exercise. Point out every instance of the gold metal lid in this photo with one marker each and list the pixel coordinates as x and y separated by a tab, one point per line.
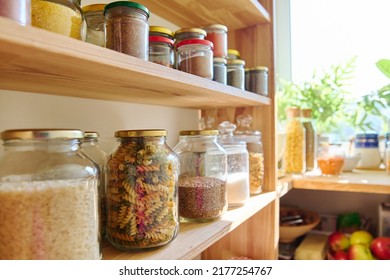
160	29
91	134
93	8
260	68
215	26
206	132
220	60
234	52
235	61
140	133
194	30
41	134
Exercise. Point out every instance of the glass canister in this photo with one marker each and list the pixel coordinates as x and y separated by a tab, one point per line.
367	146
217	34
310	139
160	31
236	73
237	184
189	33
254	146
219	70
330	159
195	56
127	28
233	54
202	179
18	10
48	197
142	199
94	18
259	80
58	16
161	51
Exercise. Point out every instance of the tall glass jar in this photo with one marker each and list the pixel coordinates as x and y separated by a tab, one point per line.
127	28
94	18
48	197
310	139
217	34
18	10
236	73
142	201
161	51
203	174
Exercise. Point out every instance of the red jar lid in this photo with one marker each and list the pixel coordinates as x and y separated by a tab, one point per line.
160	39
195	41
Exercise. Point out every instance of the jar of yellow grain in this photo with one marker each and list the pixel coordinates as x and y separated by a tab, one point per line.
59	16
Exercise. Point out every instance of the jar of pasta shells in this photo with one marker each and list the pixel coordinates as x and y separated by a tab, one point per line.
142	199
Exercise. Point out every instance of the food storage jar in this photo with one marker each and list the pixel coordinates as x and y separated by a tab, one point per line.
330	159
189	33
203	174
94	18
195	56
254	146
367	147
247	79
142	199
161	31
90	146
387	153
18	10
258	80
233	54
127	28
236	73
48	197
62	17
219	70
217	34
310	139
237	184
161	51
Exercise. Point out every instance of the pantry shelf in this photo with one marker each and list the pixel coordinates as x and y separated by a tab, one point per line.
194	238
38	61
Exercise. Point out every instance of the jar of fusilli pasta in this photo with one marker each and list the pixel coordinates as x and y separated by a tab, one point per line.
48	197
142	198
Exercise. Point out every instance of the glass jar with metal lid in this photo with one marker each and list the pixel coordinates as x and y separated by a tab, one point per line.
233	54
219	70
94	18
203	174
161	51
142	201
258	80
48	196
161	31
217	34
18	10
189	33
127	28
236	73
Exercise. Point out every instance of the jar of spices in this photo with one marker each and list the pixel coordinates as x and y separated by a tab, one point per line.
367	146
233	54
160	31
161	51
202	179
18	10
259	80
195	56
142	201
127	28
58	16
310	139
94	18
189	33
247	79
48	197
217	34
236	73
219	70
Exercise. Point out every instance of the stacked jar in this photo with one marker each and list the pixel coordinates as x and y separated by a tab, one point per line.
18	10
161	46
94	17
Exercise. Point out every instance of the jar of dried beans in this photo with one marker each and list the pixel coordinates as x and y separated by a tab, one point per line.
94	18
236	73
203	175
127	28
48	197
217	34
161	51
18	10
142	201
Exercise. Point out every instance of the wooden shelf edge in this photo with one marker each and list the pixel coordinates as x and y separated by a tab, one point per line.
194	238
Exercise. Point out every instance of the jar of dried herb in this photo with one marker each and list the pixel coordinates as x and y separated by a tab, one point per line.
142	200
18	10
258	80
127	28
203	175
217	34
236	73
94	18
161	51
219	70
160	31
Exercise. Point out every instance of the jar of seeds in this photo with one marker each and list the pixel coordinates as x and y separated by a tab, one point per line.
203	175
94	18
161	51
219	70
142	201
236	73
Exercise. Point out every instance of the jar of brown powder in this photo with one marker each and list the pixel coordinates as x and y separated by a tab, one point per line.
236	73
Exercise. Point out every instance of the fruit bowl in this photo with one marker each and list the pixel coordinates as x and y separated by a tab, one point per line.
295	222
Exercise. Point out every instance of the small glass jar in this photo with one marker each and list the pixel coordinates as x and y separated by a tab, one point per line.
94	18
127	28
48	197
367	147
189	33
247	79
195	56
18	10
161	31
202	179
58	16
236	73
233	54
330	159
161	51
219	70
259	80
217	34
142	201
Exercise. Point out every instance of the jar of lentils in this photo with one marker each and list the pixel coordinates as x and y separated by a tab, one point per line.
161	51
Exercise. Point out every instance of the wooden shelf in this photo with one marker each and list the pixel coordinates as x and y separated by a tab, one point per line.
35	60
194	238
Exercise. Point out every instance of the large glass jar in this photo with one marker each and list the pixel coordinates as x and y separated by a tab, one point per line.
48	197
142	201
18	10
202	179
161	51
94	17
217	34
236	73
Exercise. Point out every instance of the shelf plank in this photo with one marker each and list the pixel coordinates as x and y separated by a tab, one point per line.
194	238
35	60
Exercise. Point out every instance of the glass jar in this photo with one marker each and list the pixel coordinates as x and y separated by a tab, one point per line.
48	197
247	79
195	56
219	70
233	54
202	179
387	154
90	147
58	16
254	146
259	80
142	201
160	31
161	51
237	184
94	18
310	139
236	73
189	33
18	10
217	34
330	159
367	147
127	28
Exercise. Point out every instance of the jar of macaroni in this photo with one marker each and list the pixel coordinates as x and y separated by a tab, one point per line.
94	18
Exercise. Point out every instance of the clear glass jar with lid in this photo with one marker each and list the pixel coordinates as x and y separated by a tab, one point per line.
161	31
48	197
259	80
220	70
142	200
217	34
254	146
189	33
18	10
161	51
237	185
236	73
94	18
203	175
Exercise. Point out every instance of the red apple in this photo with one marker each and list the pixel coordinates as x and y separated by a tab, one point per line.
338	241
380	247
361	237
359	252
340	255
